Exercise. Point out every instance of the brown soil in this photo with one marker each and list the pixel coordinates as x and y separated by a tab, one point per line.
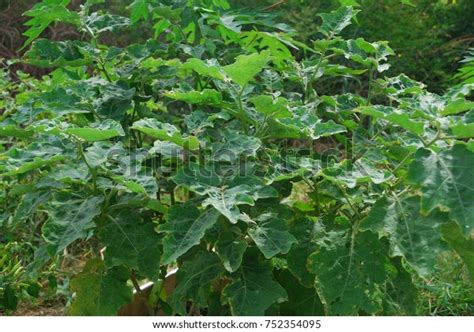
46	308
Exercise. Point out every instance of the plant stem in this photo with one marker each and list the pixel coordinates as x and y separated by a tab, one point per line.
370	90
92	170
139	291
241	109
437	136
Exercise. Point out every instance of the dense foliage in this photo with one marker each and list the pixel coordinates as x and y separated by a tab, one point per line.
429	37
210	148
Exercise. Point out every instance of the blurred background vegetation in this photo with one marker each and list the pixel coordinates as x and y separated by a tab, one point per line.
429	38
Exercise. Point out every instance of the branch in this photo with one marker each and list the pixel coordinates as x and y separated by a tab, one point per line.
276	4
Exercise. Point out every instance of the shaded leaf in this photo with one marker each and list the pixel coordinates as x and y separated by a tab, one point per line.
235	146
350	272
415	237
301	301
71	217
194	279
46	53
184	228
99	292
252	289
230	247
133	243
271	235
464	247
305	230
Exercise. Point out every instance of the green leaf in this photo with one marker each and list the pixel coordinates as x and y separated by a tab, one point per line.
99	132
71	217
131	185
114	100
165	132
14	131
401	297
184	228
464	247
235	146
271	235
36	155
301	301
267	105
97	23
246	67
408	2
252	289
139	10
226	201
290	167
203	68
458	106
303	125
446	182
277	44
99	292
415	237
348	3
197	178
230	247
44	13
395	116
361	51
45	53
350	271
29	204
194	279
464	127
362	171
305	230
325	129
462	130
206	97
335	21
31	165
132	243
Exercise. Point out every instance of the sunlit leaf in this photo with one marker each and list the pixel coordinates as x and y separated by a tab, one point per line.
446	181
165	132
246	67
252	289
336	21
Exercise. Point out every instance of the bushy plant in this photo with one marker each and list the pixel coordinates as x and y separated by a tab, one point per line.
209	148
